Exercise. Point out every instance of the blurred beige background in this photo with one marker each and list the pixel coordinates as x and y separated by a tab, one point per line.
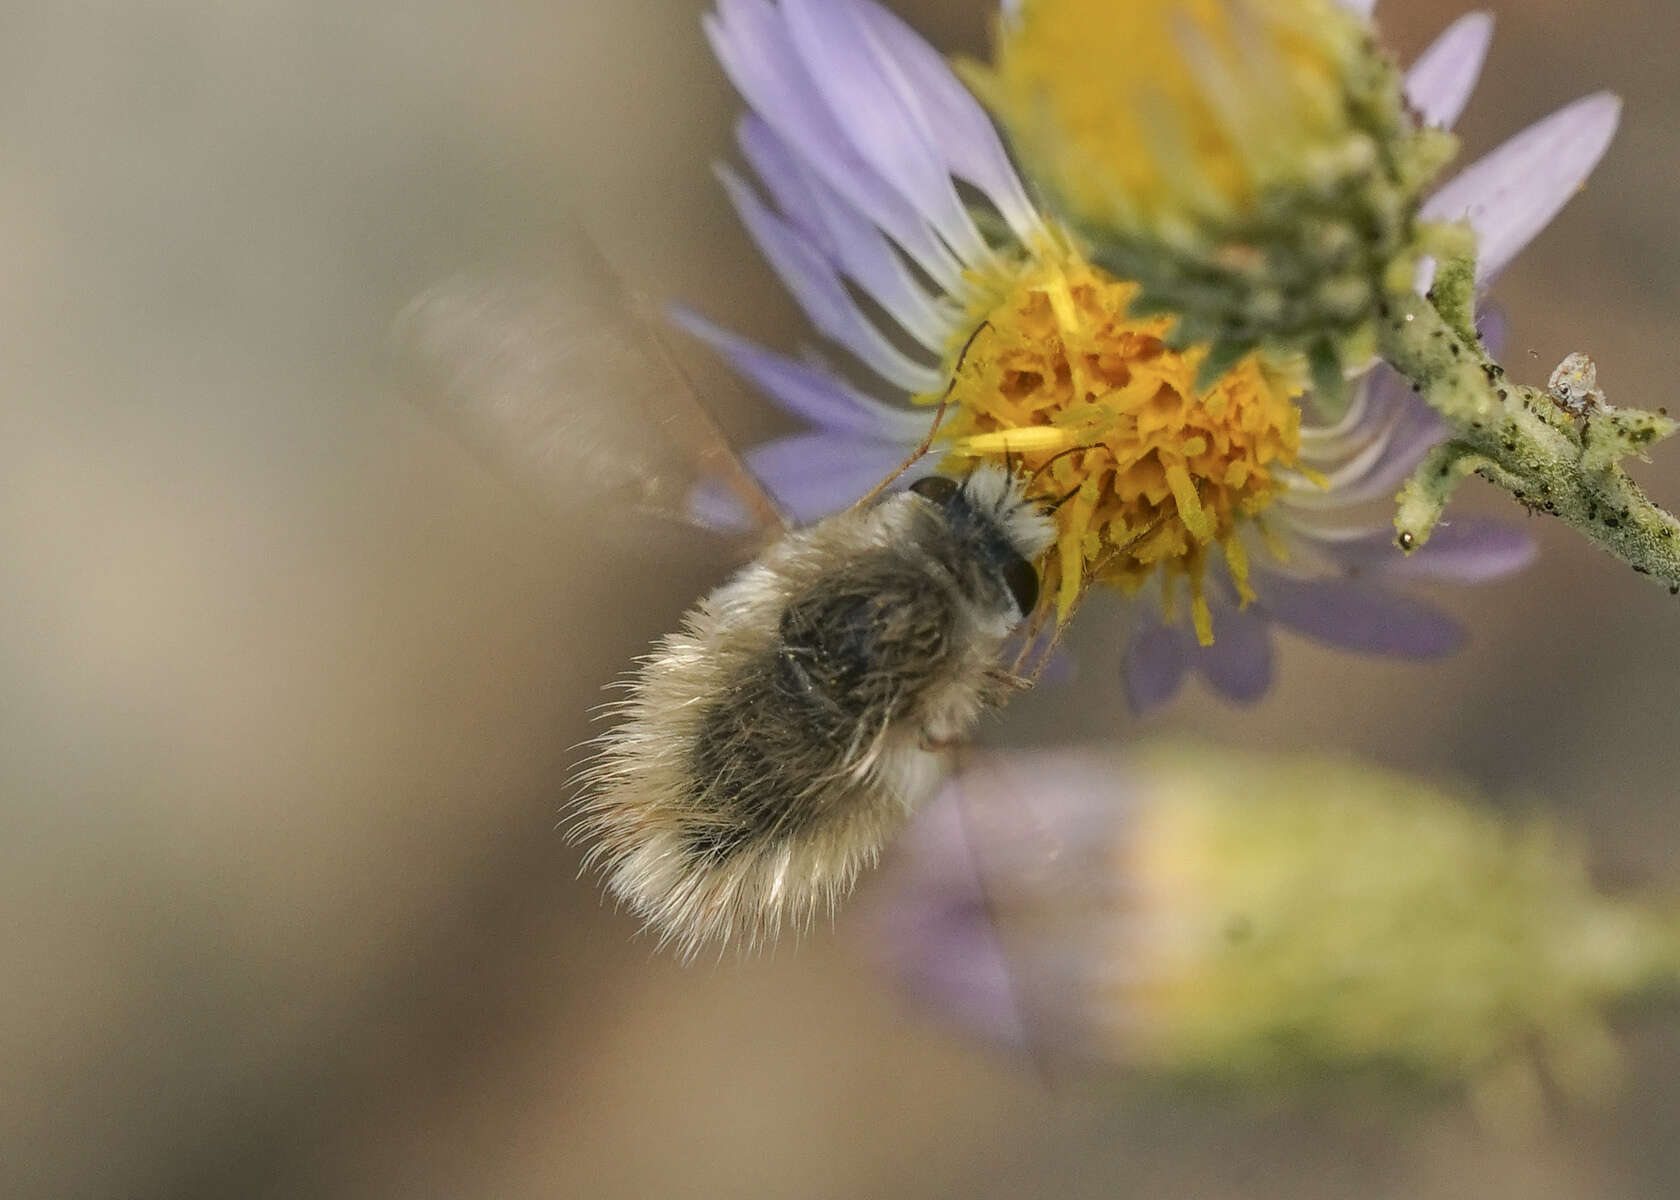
288	682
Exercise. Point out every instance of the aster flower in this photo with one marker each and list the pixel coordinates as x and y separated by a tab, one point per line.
1256	167
1255	920
886	179
1260	168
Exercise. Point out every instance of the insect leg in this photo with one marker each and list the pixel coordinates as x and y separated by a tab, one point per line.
1085	590
933	430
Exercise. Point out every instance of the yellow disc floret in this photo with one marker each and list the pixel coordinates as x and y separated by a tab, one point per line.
1147	471
1158	106
1252	164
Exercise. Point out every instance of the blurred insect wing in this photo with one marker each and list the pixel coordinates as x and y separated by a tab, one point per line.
560	385
963	916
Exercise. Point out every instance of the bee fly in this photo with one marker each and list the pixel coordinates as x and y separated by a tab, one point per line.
766	752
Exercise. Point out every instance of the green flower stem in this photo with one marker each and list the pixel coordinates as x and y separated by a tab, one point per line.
1454	291
1516	437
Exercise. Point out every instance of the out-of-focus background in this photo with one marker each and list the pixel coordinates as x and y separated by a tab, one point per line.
287	681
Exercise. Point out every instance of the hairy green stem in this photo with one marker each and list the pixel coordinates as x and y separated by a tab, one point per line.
1517	438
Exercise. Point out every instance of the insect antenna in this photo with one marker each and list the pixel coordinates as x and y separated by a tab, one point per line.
1053	459
1053	505
933	430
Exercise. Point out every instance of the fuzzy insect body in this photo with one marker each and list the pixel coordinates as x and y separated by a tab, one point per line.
767	751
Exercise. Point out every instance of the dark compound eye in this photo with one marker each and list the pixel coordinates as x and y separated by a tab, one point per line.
1022	582
936	488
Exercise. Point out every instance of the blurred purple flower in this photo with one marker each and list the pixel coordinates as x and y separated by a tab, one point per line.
1256	919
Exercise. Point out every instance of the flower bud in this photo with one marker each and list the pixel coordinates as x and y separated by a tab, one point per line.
1251	163
1265	921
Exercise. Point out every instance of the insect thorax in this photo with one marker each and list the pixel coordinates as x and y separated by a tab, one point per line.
870	651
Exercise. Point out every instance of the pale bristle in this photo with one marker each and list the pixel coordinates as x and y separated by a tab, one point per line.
747	901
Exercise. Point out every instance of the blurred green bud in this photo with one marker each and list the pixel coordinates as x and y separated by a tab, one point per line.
1268	920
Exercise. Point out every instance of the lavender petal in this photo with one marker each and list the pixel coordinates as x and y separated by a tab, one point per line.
950	961
842	234
1465	551
790	185
1440	82
821	398
810	474
1416	428
934	931
1007	834
962	131
1513	193
820	293
751	42
1416	432
711	505
850	241
1239	663
1355	616
1493	327
873	105
1153	666
814	474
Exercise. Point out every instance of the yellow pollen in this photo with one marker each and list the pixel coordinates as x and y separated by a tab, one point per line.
1153	105
1147	474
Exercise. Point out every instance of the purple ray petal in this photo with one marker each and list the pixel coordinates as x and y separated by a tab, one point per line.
1153	666
872	101
1239	663
1493	327
950	961
1035	811
1417	428
1440	82
786	179
1513	193
822	398
1011	839
1462	551
814	474
934	929
1350	459
1356	616
1363	7
1314	434
1378	395
809	474
962	132
843	235
820	293
751	42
